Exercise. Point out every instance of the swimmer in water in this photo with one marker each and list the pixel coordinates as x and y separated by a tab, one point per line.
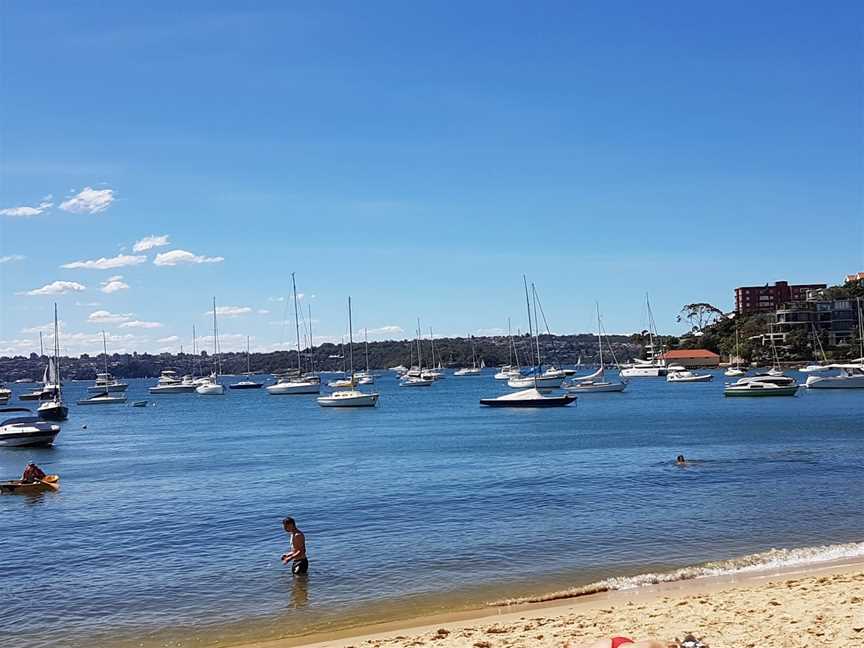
680	461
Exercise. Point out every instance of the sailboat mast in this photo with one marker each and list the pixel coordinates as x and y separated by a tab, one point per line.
194	352
248	357
41	348
419	348
311	345
510	346
215	338
599	338
366	342
351	339
473	353
432	342
536	328
296	322
57	350
105	350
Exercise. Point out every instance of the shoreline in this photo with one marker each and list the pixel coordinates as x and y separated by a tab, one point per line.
493	624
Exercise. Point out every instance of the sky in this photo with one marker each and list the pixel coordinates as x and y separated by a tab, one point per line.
419	157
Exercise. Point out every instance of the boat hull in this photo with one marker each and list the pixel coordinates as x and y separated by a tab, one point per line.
546	401
113	400
835	382
172	389
361	400
644	372
246	385
541	382
287	388
53	412
29	438
597	388
760	393
51	483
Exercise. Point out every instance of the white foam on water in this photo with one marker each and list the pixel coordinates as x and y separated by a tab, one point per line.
770	560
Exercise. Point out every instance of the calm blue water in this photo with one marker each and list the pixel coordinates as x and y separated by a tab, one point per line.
167	527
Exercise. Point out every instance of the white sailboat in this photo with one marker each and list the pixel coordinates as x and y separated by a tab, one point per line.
366	377
54	409
597	382
655	365
247	384
350	397
434	372
104	397
473	370
212	386
510	370
299	383
817	366
534	396
736	370
414	376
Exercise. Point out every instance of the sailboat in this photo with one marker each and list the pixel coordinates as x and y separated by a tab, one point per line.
434	372
736	370
510	370
817	367
212	386
851	374
655	365
54	409
104	397
775	369
531	397
473	370
366	377
247	384
414	376
298	383
596	382
350	397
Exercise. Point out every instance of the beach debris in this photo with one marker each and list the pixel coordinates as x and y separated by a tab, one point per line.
690	641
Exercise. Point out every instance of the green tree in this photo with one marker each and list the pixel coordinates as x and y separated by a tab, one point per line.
700	315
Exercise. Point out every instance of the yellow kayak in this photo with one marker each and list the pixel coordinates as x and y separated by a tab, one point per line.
17	487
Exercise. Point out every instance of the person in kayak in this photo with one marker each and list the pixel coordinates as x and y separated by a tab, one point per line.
297	555
32	473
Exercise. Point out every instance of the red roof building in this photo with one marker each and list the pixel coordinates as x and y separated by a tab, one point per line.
692	358
858	276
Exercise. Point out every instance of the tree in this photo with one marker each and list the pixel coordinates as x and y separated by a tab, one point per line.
700	315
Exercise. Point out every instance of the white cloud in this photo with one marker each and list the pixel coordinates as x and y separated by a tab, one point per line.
176	257
89	201
276	299
391	329
103	263
150	242
140	324
11	258
57	288
106	317
114	284
263	311
27	212
230	311
168	340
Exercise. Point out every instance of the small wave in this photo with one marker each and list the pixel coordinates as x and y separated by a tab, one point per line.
765	560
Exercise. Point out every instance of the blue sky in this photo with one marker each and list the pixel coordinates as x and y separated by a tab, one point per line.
419	157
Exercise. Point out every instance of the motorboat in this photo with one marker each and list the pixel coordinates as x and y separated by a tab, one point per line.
364	378
107	382
295	385
775	371
211	387
398	369
139	403
48	484
849	376
529	398
507	372
734	371
415	381
815	368
5	394
26	430
780	381
24	381
349	397
44	393
105	398
342	383
688	377
432	374
246	384
170	383
758	388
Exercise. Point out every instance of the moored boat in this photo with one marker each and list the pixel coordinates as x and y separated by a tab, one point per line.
756	388
688	377
27	430
529	398
169	383
105	398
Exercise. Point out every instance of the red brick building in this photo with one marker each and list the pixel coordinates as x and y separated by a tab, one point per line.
766	299
692	358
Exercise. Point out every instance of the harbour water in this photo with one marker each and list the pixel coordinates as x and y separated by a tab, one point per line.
167	526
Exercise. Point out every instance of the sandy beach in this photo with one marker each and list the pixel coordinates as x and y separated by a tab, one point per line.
819	607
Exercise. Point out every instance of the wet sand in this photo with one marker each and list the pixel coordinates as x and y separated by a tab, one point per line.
795	609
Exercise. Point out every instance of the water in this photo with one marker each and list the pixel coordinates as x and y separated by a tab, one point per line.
167	527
